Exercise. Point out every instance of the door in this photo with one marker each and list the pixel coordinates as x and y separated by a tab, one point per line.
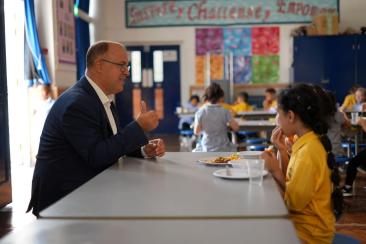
155	78
340	61
5	180
309	66
361	60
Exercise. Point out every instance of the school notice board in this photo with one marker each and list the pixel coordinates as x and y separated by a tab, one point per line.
253	54
155	13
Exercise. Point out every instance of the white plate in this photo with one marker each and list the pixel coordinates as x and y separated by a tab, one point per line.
208	161
234	173
250	154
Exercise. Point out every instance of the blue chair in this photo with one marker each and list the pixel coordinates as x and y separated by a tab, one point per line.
246	134
342	160
350	147
255	140
344	239
256	147
187	133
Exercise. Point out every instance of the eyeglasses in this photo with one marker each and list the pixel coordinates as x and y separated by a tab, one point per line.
121	66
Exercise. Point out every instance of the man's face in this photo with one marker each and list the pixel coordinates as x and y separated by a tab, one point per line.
114	68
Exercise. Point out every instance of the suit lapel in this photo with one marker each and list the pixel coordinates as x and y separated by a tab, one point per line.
84	83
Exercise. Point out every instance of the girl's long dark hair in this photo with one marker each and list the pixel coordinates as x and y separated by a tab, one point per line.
307	102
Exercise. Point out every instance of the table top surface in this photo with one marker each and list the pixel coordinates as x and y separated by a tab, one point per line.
155	231
175	186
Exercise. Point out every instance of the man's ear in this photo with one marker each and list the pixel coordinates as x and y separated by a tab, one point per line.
98	66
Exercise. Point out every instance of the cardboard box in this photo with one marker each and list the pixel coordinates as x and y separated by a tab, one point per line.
326	24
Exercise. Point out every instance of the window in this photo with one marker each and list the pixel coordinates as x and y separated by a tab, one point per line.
158	66
136	66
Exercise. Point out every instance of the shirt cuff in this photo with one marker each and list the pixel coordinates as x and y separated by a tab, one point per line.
143	153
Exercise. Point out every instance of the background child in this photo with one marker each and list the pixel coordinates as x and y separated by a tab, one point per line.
269	102
192	106
212	121
241	103
360	96
350	99
307	181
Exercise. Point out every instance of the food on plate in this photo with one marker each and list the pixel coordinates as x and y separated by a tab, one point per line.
224	160
269	149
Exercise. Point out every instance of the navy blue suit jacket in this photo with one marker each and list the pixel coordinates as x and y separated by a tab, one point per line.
76	144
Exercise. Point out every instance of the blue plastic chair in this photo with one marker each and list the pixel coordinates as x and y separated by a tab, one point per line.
344	239
187	133
256	147
244	133
342	160
255	140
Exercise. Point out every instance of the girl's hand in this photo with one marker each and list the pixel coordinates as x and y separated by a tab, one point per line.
272	164
278	138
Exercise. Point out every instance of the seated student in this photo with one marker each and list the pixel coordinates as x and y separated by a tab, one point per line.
269	102
356	163
241	103
335	119
360	96
212	121
306	183
192	106
350	99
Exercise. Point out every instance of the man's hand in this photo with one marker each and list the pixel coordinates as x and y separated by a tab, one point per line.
155	148
148	120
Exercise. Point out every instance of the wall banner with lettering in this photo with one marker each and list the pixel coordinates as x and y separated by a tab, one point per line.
154	13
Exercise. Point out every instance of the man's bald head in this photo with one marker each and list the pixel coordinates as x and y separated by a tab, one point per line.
98	49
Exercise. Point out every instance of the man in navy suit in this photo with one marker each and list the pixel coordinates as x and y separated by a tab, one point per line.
81	136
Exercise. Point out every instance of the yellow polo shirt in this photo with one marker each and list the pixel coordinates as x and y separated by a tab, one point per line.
308	191
349	101
241	107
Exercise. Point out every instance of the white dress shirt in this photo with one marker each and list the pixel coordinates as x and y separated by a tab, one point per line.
106	101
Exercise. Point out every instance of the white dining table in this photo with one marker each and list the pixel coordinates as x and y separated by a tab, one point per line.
175	186
233	231
256	115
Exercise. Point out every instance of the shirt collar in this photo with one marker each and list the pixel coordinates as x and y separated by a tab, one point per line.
309	136
102	96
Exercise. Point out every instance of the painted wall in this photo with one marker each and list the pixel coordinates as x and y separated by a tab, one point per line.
110	24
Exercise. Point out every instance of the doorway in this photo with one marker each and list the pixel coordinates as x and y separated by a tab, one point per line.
155	78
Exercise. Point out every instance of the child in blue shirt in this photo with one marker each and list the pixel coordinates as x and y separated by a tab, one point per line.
212	121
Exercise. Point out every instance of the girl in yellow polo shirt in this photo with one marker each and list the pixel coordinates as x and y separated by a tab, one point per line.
309	182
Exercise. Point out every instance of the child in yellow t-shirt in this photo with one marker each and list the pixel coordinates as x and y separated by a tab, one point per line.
241	104
269	102
350	99
311	196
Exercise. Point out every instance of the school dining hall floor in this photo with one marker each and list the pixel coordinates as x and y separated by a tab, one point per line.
13	216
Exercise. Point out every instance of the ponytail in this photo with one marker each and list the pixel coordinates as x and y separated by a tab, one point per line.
336	196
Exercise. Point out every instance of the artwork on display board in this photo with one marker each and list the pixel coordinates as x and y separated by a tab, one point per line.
209	40
253	51
265	69
200	70
238	41
65	31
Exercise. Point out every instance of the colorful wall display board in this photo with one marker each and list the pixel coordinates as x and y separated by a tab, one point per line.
155	13
253	51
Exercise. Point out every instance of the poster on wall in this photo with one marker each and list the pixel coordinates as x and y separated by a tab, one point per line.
265	40
209	40
65	31
238	41
265	69
148	13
